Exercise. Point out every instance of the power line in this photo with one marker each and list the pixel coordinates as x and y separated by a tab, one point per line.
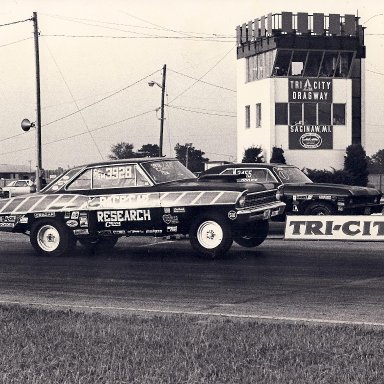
15	22
199	79
203	113
100	100
77	106
202	81
157	27
16	42
192	38
82	133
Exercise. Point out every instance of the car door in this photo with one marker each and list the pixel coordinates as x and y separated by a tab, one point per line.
122	200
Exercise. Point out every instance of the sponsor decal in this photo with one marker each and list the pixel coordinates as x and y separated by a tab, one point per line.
67	215
153	231
80	232
179	210
170	219
325	197
172	229
124	215
72	223
232	215
302	197
7	225
23	220
120	201
75	215
105	232
354	228
8	219
44	214
83	221
310	90
135	232
119	232
167	210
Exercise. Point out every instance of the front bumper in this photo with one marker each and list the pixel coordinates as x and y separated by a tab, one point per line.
364	209
261	212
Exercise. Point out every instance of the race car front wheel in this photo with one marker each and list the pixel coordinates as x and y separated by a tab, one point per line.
51	238
210	236
253	234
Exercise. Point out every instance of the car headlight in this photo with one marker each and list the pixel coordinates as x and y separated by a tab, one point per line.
241	201
279	194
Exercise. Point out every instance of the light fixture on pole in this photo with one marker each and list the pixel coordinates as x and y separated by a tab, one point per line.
162	86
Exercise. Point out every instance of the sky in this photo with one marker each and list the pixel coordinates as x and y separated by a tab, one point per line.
97	57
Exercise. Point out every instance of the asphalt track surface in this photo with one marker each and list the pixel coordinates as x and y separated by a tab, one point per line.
316	281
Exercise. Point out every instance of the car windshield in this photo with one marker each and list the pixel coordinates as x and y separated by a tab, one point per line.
292	175
61	180
165	171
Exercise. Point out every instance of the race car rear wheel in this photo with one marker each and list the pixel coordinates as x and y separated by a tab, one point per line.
210	236
320	208
99	243
51	238
253	234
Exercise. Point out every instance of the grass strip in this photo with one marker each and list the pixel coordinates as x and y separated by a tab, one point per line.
41	346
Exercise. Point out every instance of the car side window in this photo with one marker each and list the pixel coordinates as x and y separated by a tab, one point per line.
20	184
83	181
118	176
228	171
258	175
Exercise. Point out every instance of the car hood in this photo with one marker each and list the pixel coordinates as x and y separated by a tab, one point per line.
325	188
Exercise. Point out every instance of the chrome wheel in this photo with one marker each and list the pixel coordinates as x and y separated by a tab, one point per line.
209	234
48	238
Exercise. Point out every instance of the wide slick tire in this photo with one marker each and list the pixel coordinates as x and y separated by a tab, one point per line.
320	208
51	238
210	236
253	234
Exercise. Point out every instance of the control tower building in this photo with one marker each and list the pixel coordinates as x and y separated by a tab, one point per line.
300	87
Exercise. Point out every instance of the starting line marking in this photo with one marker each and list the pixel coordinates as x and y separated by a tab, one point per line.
198	313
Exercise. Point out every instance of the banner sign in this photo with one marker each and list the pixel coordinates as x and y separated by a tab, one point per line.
351	228
310	90
310	136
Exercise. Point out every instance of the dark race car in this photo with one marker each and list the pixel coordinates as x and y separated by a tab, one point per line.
301	195
98	203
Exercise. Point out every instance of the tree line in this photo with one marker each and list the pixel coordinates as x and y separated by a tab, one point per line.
357	165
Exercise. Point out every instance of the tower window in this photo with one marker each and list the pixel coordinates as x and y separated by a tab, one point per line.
258	115
247	116
338	114
281	113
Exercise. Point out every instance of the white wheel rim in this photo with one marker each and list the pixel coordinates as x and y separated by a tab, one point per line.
48	238
209	234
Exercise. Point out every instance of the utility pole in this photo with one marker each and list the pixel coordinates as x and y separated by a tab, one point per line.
38	105
162	110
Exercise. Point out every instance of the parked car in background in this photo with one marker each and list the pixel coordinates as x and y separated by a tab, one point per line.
18	188
97	203
302	196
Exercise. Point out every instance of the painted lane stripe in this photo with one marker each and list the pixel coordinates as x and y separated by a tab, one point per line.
197	313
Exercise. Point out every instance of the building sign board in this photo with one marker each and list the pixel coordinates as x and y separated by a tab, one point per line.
310	136
350	228
309	90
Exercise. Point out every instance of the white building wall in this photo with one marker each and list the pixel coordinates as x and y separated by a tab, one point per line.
252	93
271	90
